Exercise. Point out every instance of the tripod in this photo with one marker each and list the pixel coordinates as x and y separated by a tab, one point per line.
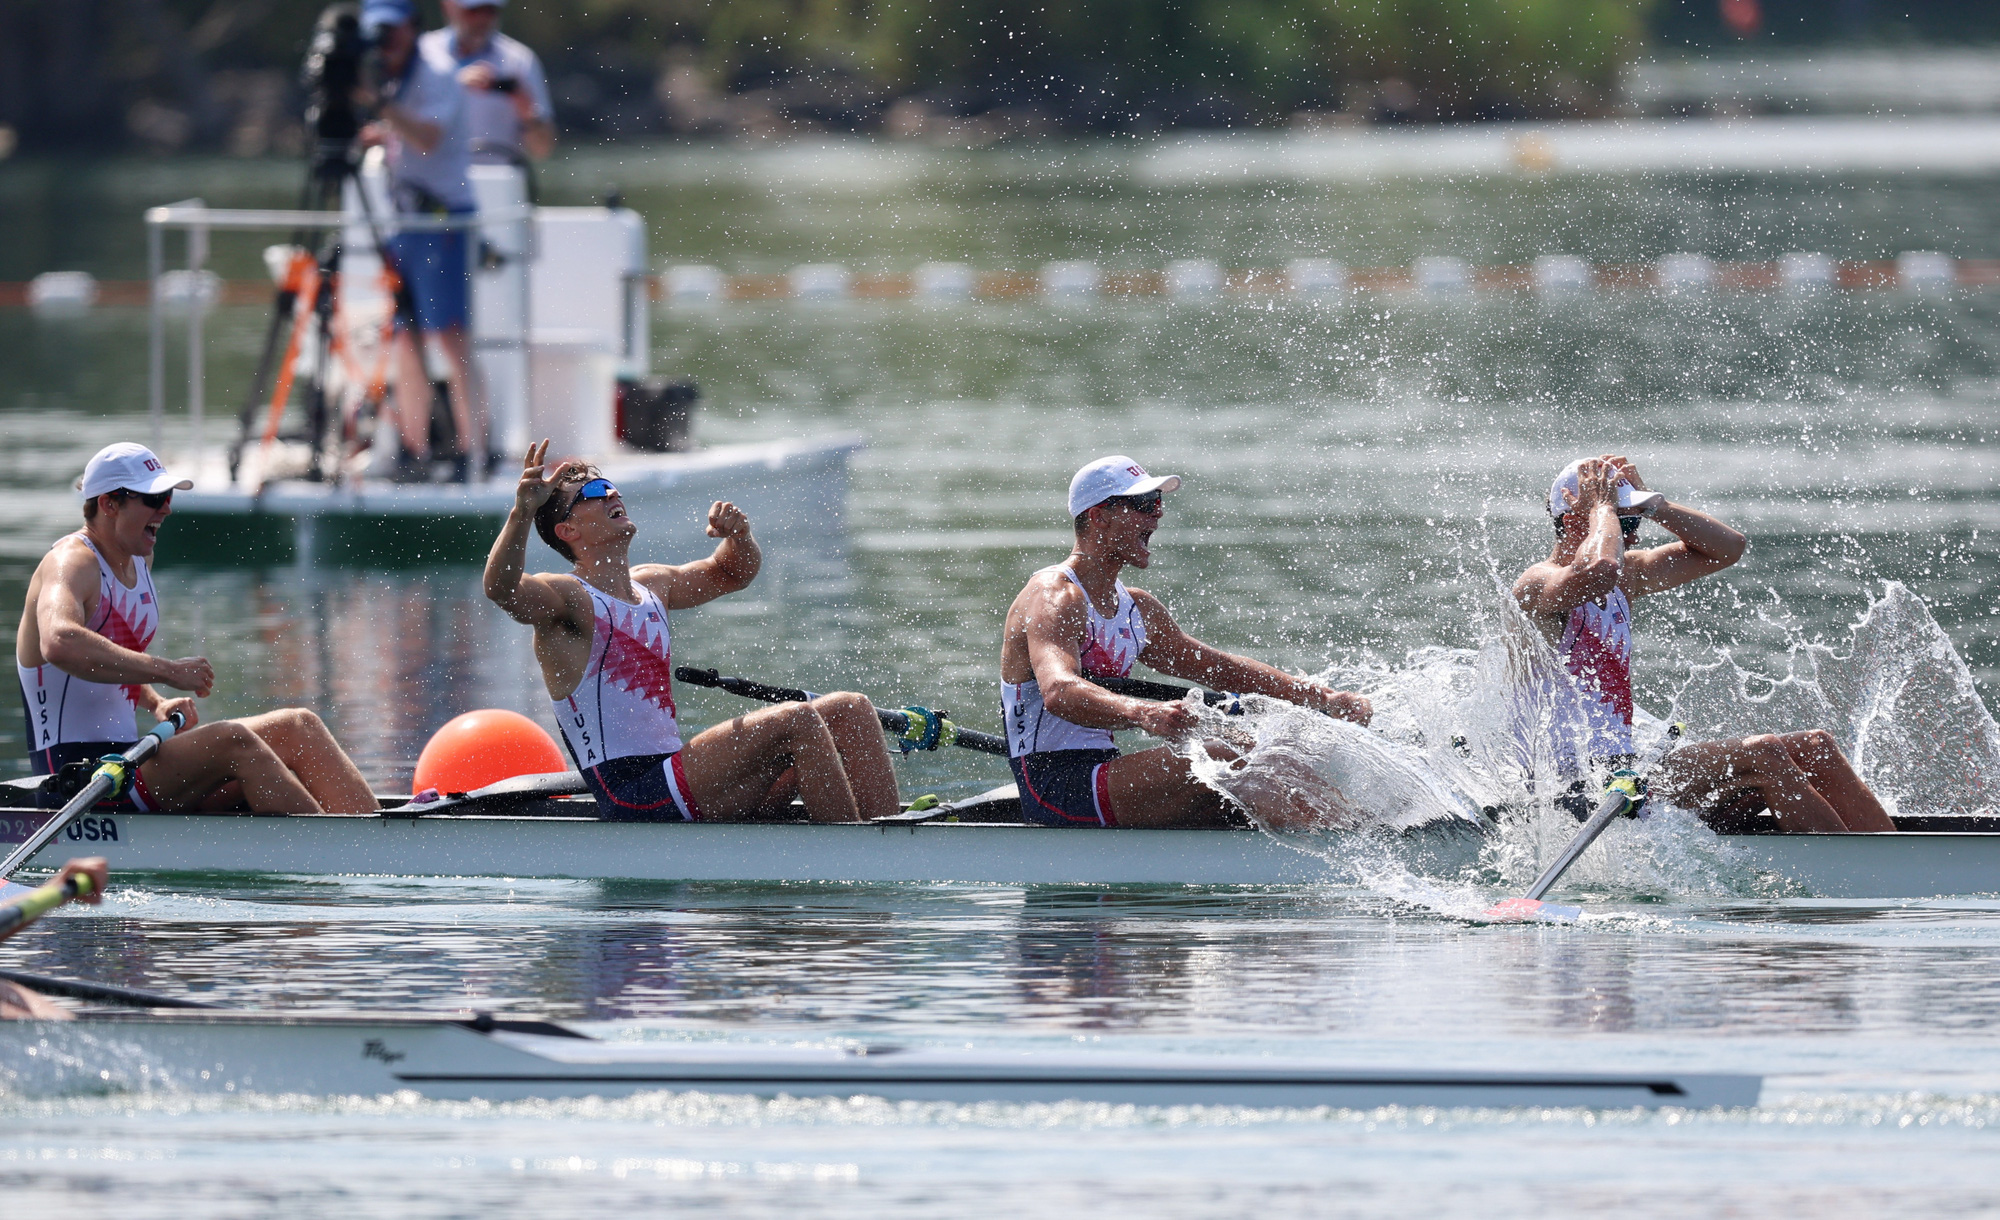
314	279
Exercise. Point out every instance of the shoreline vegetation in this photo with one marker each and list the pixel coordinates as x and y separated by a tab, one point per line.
222	75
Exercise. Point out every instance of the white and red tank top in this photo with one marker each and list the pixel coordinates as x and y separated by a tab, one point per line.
624	703
1111	643
1594	709
62	708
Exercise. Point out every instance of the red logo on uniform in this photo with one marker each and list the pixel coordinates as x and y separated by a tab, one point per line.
152	464
1135	472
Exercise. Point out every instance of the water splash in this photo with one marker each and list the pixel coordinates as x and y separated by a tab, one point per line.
1461	745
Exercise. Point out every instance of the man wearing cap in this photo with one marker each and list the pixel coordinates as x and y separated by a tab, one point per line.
1580	597
506	96
423	131
80	653
1077	621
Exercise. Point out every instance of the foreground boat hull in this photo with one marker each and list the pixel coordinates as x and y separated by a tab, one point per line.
444	1058
562	839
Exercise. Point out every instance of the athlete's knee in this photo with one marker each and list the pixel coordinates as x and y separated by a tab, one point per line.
845	704
1764	756
1814	744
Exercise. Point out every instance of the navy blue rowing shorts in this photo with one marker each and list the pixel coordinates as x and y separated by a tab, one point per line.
642	788
1064	787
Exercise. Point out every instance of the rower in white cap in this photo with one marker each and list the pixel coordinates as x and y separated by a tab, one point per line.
1581	599
1077	621
80	653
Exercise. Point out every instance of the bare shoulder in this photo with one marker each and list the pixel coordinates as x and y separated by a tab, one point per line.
1047	593
71	562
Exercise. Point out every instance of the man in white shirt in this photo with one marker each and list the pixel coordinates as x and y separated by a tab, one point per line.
508	116
422	129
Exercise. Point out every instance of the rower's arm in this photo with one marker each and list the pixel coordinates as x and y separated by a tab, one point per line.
62	611
734	564
539	600
1549	591
1705	546
1055	636
1176	653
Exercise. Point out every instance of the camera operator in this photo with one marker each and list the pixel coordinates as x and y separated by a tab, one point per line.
507	97
422	130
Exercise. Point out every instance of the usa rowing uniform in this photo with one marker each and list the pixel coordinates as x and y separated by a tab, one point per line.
619	723
1593	710
1059	764
71	718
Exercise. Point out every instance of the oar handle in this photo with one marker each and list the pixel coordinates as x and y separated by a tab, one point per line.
113	777
1167	692
897	721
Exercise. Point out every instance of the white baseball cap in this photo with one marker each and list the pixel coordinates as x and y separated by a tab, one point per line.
1116	475
1567	486
126	466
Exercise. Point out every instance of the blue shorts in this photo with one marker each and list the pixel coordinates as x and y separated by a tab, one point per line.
642	788
433	264
1064	787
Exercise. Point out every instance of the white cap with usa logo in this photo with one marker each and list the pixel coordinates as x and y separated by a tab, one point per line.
127	466
1116	475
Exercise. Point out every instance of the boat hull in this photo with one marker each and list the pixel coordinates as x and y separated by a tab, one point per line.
561	839
448	1058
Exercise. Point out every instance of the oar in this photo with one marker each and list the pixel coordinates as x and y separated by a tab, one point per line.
111	779
1626	792
39	902
1167	692
916	728
103	992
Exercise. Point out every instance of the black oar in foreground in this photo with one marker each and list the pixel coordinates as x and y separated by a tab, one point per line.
111	780
916	728
1627	792
102	993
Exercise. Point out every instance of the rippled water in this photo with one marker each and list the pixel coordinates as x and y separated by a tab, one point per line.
1363	476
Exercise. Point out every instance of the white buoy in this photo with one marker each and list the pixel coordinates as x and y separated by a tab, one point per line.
1075	277
184	289
1560	273
820	282
1682	272
62	292
694	282
1315	277
1800	271
1918	270
943	280
1441	275
1193	277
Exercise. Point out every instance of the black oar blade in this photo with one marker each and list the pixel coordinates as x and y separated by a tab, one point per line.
103	993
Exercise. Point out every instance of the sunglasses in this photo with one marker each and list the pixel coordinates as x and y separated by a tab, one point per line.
1148	503
596	489
154	500
1630	525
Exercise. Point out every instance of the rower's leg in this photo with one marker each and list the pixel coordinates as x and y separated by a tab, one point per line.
1834	778
193	764
306	746
1156	788
857	735
732	766
413	396
1707	771
467	411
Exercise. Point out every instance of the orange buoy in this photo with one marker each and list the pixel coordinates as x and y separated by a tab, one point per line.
485	747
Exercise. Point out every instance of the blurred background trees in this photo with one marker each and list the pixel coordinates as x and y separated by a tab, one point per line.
221	74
